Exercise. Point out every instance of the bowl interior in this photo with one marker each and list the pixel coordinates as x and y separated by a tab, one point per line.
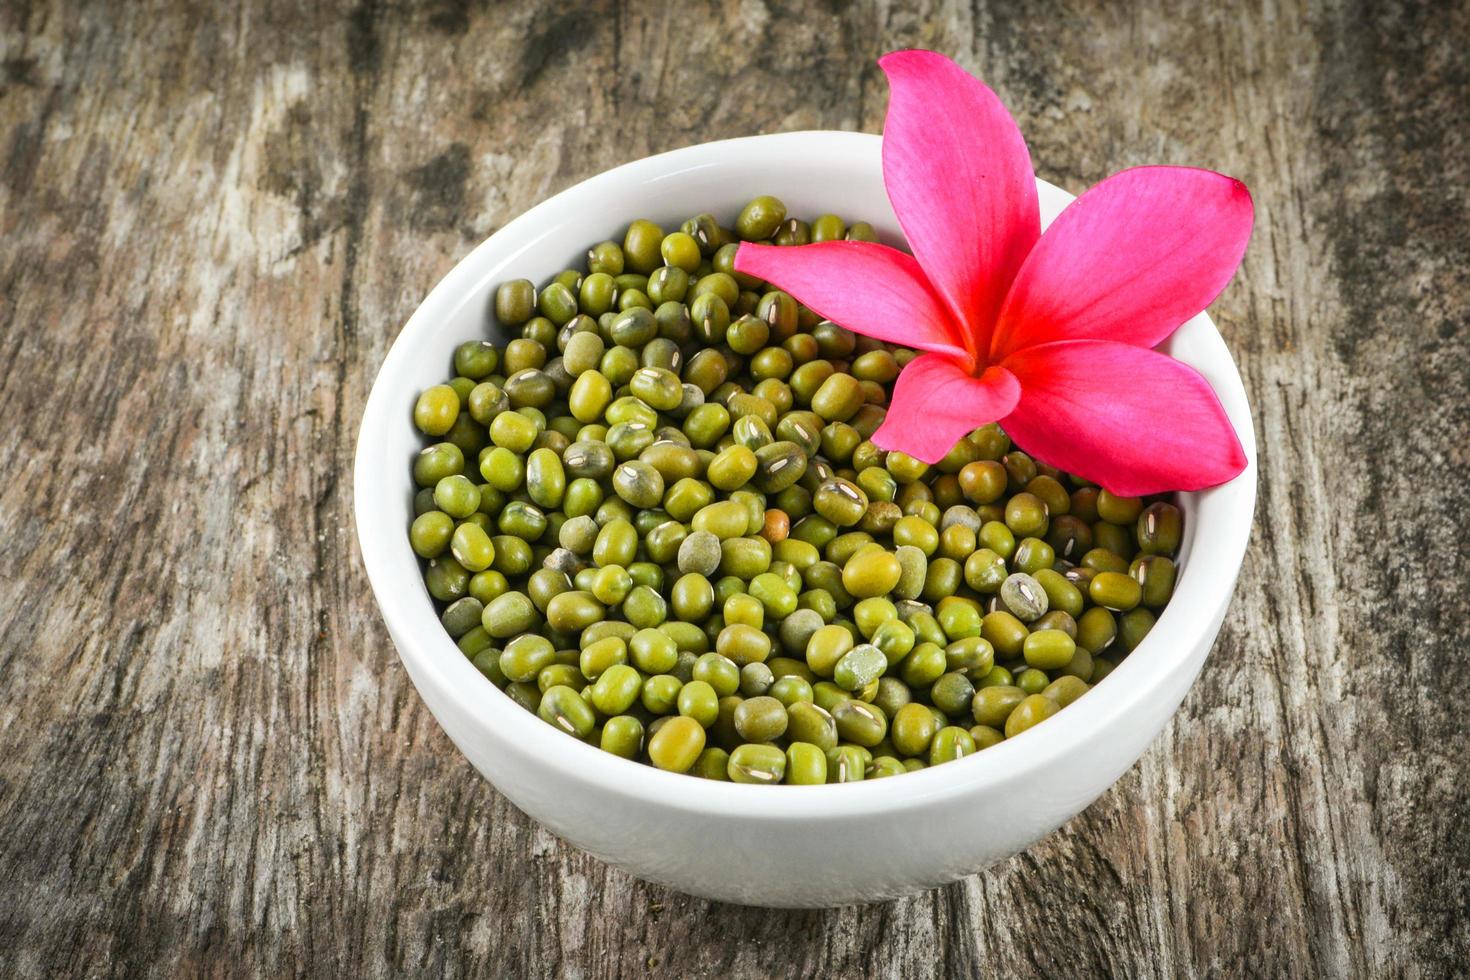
813	173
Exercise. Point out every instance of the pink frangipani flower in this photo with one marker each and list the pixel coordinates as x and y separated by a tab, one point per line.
1050	335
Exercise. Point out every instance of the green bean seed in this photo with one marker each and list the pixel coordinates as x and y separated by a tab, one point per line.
753	763
951	743
622	736
677	744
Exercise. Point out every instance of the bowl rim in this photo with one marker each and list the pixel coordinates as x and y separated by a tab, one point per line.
1194	610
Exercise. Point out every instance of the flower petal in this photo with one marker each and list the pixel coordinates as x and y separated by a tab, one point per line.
870	289
960	179
936	402
1130	260
1129	418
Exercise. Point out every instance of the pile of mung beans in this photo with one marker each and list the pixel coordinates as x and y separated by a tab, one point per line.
656	519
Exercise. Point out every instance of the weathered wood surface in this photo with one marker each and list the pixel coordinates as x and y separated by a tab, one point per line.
215	218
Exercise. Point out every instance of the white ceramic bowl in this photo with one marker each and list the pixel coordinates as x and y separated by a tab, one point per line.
786	845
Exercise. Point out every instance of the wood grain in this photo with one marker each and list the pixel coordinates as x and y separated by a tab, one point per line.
215	218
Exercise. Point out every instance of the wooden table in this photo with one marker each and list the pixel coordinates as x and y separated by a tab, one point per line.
215	220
